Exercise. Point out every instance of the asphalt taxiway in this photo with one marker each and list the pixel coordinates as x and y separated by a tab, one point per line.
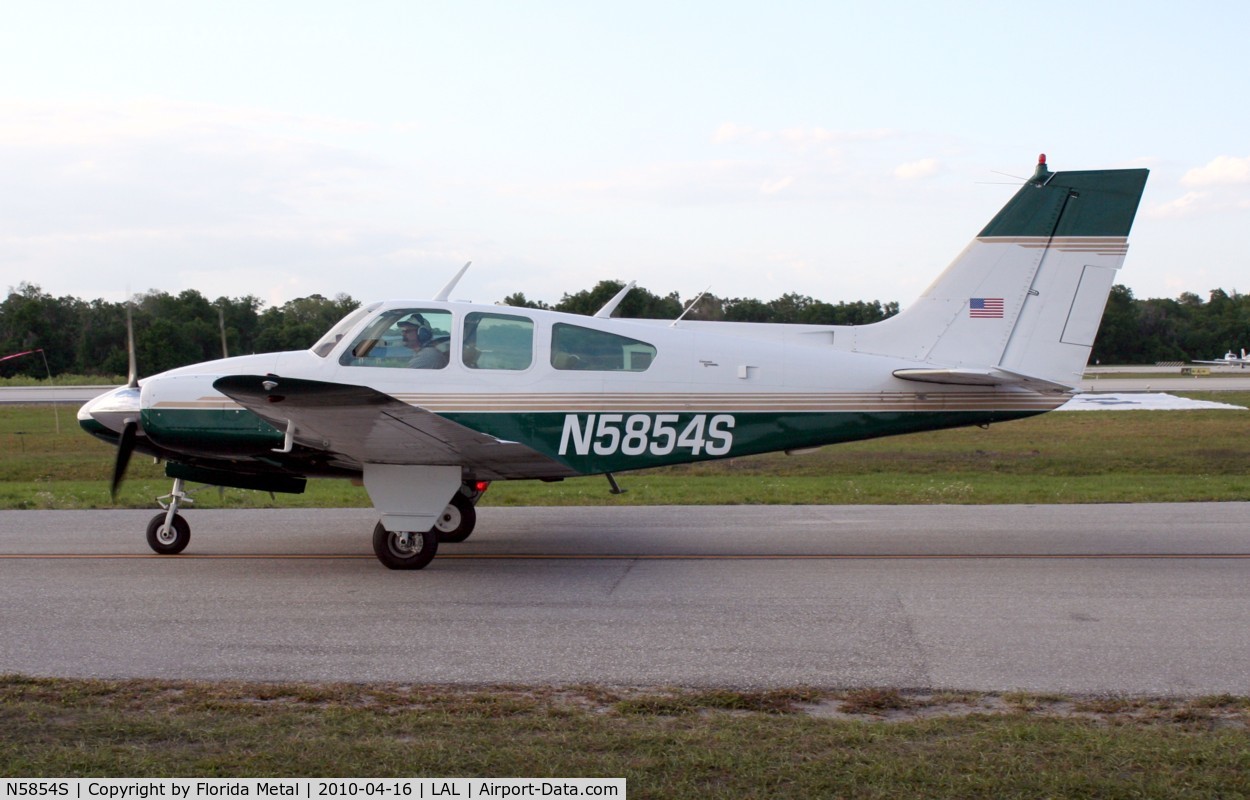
1137	599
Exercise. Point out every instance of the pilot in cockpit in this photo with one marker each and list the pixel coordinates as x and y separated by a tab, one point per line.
419	337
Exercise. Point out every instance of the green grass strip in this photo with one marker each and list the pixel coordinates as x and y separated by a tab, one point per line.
667	743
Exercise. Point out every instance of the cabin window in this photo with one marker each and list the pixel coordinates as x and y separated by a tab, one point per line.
411	338
498	341
575	347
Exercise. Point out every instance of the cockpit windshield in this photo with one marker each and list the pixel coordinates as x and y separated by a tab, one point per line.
326	343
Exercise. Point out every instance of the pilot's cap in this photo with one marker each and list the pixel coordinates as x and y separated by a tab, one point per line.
414	321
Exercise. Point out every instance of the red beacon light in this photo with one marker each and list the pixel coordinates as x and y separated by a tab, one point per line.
1041	174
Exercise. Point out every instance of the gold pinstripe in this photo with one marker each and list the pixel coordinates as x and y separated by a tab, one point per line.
1101	245
692	402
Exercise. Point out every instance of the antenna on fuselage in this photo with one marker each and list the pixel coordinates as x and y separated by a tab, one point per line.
611	305
693	303
451	284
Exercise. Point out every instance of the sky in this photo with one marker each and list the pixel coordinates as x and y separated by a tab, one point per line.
846	151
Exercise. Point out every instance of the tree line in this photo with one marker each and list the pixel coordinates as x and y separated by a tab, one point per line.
1158	330
83	337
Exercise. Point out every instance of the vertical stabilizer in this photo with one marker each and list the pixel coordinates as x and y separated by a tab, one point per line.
1025	297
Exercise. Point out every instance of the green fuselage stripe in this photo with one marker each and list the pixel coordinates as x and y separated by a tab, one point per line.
606	446
592	443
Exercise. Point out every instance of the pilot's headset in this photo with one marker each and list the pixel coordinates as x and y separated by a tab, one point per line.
424	333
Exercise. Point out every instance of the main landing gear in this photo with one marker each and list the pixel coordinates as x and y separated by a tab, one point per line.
415	550
457	520
404	549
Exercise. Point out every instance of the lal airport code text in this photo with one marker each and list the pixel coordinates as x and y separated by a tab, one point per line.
309	788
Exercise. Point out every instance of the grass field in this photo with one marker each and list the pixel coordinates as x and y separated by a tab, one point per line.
669	743
1077	457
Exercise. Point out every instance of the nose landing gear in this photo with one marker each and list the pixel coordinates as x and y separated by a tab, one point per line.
168	532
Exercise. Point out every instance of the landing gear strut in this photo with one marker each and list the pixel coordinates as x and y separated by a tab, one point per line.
168	532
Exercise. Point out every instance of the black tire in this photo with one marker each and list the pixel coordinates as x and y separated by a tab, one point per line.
457	520
168	542
388	550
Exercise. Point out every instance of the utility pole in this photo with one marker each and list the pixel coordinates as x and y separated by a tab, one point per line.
221	323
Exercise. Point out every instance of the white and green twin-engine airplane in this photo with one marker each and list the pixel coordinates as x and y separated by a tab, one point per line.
427	401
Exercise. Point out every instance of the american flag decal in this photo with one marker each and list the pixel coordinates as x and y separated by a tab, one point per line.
985	307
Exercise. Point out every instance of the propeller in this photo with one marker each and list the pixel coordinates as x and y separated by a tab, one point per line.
130	430
132	373
125	446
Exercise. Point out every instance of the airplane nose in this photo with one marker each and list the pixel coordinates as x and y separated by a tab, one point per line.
108	414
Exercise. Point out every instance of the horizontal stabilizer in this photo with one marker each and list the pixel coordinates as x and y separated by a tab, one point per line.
993	376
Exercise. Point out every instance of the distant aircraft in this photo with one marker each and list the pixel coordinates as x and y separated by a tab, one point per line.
516	393
1229	358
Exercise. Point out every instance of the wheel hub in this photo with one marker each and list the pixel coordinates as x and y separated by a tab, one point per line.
406	543
449	521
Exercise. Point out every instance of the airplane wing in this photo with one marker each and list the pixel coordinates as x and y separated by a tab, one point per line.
363	425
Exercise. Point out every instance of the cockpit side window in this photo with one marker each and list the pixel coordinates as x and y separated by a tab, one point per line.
498	341
415	338
576	348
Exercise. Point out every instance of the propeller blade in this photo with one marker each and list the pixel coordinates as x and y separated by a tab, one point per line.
125	446
132	377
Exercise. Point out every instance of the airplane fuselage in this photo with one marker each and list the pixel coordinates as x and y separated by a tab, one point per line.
696	392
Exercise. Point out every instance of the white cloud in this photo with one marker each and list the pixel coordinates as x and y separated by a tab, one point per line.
1223	170
729	132
732	133
798	164
706	183
169	195
1185	205
98	121
772	187
93	166
915	170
